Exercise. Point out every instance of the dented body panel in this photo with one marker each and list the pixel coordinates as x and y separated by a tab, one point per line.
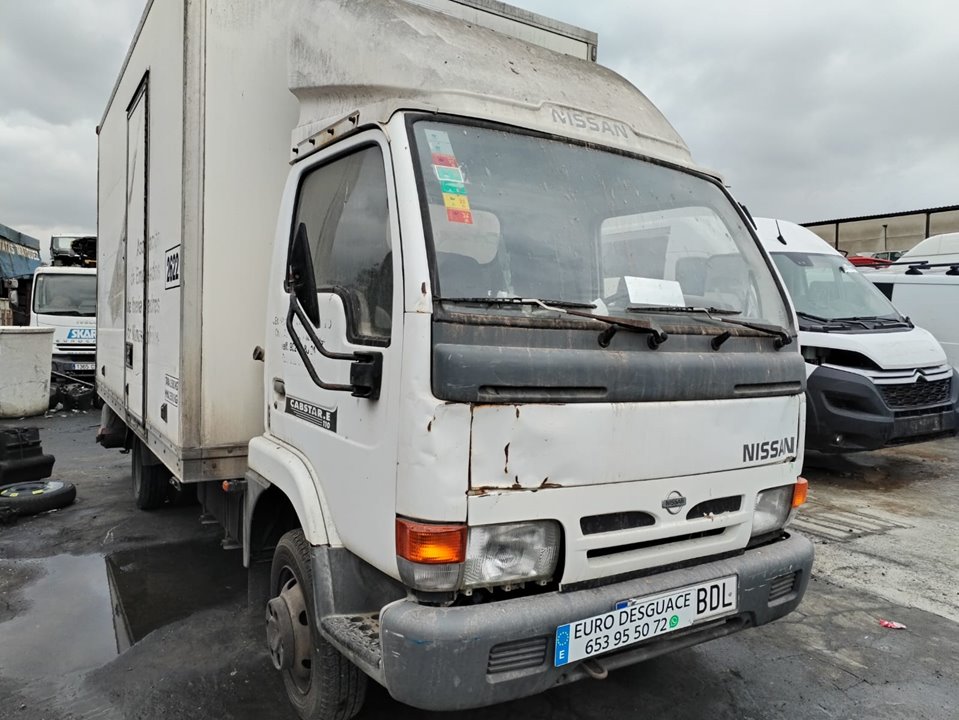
597	444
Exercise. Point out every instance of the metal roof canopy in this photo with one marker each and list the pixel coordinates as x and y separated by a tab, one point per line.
19	253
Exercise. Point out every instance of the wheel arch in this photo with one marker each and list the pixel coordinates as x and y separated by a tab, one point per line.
282	494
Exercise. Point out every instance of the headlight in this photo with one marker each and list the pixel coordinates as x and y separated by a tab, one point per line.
512	553
443	557
772	509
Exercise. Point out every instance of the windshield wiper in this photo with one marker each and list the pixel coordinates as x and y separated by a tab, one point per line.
782	336
827	324
680	309
876	320
656	335
60	312
518	301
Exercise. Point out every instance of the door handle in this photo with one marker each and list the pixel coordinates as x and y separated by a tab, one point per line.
279	387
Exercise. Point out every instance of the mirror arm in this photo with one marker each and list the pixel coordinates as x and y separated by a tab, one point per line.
366	373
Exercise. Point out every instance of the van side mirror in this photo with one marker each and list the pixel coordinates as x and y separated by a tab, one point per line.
300	279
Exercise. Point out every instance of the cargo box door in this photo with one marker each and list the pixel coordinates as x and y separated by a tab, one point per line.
134	347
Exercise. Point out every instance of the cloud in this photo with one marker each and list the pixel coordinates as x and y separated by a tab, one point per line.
810	110
58	61
48	181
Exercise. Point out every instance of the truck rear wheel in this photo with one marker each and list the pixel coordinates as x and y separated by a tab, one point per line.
320	683
151	483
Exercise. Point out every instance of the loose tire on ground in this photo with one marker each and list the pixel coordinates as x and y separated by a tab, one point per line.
151	483
320	683
37	496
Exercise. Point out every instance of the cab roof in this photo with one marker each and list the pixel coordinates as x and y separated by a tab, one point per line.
795	238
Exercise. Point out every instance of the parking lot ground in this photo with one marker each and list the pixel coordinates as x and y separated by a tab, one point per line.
108	612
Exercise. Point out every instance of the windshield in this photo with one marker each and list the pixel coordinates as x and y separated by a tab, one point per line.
517	216
828	287
64	294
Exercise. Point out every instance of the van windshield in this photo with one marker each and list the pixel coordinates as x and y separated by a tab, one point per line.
828	287
512	215
65	294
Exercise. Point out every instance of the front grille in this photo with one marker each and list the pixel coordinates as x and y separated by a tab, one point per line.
921	392
603	552
783	585
715	507
611	522
517	655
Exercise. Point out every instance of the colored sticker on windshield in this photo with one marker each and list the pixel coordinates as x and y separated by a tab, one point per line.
439	142
459	216
453	188
456	202
444	160
450	176
448	173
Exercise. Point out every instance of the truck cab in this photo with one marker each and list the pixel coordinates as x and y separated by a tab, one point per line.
65	298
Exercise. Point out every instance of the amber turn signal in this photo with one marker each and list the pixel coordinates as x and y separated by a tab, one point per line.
430	544
800	491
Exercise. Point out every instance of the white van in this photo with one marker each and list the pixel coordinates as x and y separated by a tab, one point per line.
934	250
930	299
874	379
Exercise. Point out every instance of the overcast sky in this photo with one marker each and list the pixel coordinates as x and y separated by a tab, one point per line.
811	110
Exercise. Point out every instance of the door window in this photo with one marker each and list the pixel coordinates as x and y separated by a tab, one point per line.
343	206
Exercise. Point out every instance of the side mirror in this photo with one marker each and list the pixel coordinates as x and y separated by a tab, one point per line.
300	279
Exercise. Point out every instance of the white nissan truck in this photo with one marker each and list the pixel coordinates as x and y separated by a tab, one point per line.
495	387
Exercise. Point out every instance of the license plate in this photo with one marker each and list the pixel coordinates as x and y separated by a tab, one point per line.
84	366
638	619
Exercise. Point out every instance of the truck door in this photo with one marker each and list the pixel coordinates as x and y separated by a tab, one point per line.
345	206
135	252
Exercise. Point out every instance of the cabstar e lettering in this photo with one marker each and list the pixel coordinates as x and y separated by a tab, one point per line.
315	414
769	449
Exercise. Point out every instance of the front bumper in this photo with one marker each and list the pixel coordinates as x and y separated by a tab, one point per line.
463	657
75	365
846	412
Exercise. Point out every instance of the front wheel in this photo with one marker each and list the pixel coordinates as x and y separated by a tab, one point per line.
320	683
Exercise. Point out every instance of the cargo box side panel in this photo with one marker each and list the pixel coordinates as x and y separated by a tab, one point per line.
139	220
249	116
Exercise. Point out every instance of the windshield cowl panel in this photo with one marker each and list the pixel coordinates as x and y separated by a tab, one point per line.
516	363
513	216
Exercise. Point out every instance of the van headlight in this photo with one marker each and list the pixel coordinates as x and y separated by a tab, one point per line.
772	511
511	553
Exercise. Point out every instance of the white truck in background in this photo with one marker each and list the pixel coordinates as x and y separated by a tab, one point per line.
495	387
65	298
875	379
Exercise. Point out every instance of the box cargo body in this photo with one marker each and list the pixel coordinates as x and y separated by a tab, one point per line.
193	158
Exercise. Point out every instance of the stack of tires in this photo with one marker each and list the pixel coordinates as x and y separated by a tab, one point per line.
25	487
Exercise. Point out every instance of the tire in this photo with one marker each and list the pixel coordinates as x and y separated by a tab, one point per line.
320	683
37	496
151	483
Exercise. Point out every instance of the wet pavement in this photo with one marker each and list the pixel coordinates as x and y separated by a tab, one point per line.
108	612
